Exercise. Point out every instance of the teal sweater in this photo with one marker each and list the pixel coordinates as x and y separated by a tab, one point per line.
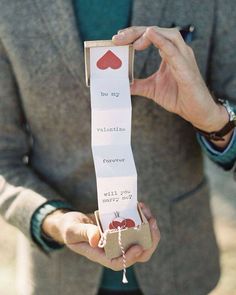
100	20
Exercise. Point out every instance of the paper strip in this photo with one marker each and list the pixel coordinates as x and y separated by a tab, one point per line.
111	136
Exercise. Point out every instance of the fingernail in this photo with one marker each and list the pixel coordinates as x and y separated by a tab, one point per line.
138	253
119	36
141	204
154	225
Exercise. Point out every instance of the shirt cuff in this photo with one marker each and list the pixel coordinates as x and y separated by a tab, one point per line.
45	243
225	158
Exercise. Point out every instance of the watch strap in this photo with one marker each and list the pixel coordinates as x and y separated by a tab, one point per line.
218	135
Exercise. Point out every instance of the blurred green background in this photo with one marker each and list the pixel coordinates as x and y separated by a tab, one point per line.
224	210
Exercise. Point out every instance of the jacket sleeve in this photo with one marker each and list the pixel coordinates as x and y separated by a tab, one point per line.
222	59
221	68
21	189
226	158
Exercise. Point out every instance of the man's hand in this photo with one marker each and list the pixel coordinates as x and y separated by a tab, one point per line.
79	233
177	86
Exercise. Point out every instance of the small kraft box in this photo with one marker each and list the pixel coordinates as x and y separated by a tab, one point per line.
140	235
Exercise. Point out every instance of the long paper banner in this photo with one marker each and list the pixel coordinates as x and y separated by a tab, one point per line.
111	136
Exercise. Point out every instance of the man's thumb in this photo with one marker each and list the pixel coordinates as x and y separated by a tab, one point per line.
140	87
93	235
83	232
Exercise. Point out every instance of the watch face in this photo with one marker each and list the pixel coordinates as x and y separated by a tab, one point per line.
232	115
230	110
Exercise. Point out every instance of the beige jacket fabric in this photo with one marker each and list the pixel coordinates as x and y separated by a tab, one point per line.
45	149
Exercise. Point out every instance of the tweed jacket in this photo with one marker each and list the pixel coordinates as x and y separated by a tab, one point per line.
45	149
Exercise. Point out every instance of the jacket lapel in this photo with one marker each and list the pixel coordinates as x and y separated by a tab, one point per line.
146	13
60	20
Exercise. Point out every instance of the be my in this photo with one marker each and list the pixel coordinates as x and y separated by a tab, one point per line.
114	94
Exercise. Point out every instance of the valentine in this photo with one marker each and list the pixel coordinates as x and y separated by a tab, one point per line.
113	160
112	129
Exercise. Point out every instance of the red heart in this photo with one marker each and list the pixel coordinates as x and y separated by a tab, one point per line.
109	60
122	224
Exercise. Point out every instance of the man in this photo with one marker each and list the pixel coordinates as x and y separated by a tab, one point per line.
45	120
178	87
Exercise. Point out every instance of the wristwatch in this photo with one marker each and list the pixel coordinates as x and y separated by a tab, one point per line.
218	135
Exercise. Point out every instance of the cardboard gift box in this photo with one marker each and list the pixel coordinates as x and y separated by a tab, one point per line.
140	235
105	43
